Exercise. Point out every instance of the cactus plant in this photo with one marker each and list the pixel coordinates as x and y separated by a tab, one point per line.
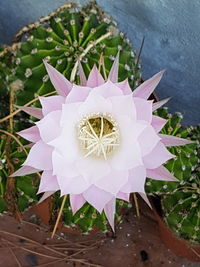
88	218
61	38
26	186
186	156
65	36
181	208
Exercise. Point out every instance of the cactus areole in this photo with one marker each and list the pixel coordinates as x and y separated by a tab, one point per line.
97	141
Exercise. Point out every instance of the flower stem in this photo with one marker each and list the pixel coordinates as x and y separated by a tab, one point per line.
136	204
59	215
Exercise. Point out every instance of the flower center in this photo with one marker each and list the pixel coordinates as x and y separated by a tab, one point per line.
98	135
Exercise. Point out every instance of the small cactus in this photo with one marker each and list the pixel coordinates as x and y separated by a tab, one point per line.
62	39
181	207
186	156
88	218
26	186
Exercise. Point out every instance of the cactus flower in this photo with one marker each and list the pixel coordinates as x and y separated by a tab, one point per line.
97	141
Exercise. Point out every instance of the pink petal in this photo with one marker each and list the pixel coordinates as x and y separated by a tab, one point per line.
159	104
75	185
123	105
144	196
35	112
109	210
51	103
78	94
143	109
48	182
147	87
113	182
49	126
107	89
62	167
148	140
76	202
45	196
136	181
92	169
95	78
158	123
31	134
60	83
160	173
123	196
169	140
157	156
113	75
67	142
83	80
24	170
124	86
95	103
97	198
128	154
39	156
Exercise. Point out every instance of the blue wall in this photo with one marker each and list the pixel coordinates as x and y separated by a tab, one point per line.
172	41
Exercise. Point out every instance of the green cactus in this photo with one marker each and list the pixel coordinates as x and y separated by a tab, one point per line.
5	73
88	218
61	39
26	186
181	209
186	156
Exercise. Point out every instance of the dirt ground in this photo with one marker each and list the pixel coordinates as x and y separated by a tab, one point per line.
136	243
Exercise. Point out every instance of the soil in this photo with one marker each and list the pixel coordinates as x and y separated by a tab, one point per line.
135	243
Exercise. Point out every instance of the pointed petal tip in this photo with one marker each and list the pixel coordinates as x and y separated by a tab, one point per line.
147	87
113	74
24	170
159	104
170	140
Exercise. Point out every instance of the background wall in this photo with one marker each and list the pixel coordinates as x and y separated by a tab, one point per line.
172	41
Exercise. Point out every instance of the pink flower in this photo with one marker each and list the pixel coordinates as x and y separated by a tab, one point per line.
97	141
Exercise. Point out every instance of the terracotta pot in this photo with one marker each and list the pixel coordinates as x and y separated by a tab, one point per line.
43	211
180	247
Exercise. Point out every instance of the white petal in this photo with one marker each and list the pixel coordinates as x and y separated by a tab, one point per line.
157	157
48	182
98	198
39	156
62	167
109	210
113	182
92	168
95	104
148	140
75	185
78	94
49	126
123	106
31	134
136	181
51	103
76	202
143	109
